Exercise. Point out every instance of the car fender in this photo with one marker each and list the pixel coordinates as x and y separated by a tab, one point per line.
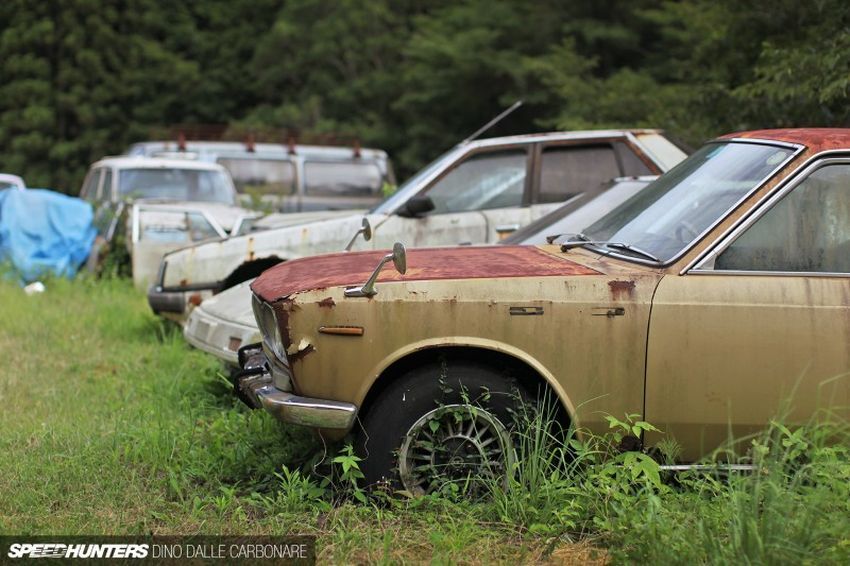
472	342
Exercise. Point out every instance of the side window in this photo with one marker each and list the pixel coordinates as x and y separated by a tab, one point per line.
105	194
265	176
89	190
808	230
566	171
483	181
342	178
633	166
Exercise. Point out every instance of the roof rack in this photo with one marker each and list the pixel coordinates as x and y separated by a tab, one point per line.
251	136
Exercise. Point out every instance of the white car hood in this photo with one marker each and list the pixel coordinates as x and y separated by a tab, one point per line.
233	305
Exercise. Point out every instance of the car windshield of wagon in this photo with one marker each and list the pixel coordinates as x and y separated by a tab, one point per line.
197	185
668	215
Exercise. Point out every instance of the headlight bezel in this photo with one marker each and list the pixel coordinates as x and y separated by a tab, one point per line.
267	322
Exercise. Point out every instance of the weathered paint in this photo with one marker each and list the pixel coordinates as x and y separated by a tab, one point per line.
400	319
343	269
815	139
727	352
700	355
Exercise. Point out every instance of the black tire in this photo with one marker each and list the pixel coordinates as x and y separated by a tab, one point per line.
419	392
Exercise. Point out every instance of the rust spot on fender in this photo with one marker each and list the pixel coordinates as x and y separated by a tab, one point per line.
297	356
327	303
621	289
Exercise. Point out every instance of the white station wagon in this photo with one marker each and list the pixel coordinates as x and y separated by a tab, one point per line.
476	193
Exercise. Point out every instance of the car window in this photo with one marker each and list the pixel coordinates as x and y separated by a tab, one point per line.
266	176
344	178
174	227
567	171
89	190
105	193
483	181
177	184
808	230
633	166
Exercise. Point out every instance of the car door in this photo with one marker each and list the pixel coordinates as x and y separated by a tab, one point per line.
490	179
761	327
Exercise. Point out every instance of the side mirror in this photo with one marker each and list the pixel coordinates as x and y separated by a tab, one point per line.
365	229
416	207
399	259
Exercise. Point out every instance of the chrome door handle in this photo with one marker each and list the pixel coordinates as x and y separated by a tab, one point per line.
505	229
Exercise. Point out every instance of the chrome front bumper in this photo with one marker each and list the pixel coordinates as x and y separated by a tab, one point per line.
255	387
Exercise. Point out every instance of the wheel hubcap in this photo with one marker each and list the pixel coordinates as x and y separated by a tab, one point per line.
458	444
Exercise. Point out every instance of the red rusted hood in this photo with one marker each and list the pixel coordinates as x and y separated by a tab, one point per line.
350	269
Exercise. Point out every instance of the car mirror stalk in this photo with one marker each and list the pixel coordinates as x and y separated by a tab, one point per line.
365	229
399	259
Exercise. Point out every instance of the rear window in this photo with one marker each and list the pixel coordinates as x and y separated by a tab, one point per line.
342	178
266	176
567	171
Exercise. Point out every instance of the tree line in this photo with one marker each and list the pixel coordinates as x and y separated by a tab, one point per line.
84	78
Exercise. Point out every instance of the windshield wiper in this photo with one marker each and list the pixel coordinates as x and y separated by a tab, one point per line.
634	249
617	245
574	237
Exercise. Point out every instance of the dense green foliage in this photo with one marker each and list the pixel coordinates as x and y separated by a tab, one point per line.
83	78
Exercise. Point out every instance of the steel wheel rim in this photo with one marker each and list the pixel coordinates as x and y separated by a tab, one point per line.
455	443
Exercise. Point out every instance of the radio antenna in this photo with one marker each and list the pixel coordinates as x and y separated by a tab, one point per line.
493	122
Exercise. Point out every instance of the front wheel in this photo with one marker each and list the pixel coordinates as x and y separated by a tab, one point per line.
439	424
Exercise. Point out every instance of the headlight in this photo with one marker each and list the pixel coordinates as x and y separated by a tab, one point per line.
267	322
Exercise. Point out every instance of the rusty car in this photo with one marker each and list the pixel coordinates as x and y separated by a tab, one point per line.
710	301
478	192
225	322
157	205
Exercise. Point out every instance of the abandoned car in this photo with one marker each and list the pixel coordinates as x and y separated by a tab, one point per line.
225	322
705	303
159	205
478	192
290	177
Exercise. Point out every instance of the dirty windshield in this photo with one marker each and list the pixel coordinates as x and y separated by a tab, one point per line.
176	184
665	217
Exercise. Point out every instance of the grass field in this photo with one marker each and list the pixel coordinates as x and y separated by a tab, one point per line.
111	424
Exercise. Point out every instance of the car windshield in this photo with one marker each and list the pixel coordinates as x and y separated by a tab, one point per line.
668	215
197	185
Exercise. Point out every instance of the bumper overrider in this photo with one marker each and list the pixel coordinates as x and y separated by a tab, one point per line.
257	387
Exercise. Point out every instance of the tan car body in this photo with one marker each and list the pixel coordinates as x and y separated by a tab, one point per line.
699	353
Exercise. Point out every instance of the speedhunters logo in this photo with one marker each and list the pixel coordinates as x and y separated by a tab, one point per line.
58	550
159	549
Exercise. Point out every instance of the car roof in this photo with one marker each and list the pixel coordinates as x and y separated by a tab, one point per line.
327	151
559	136
139	162
816	139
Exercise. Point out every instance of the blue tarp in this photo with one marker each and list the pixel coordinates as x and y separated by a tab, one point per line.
43	232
